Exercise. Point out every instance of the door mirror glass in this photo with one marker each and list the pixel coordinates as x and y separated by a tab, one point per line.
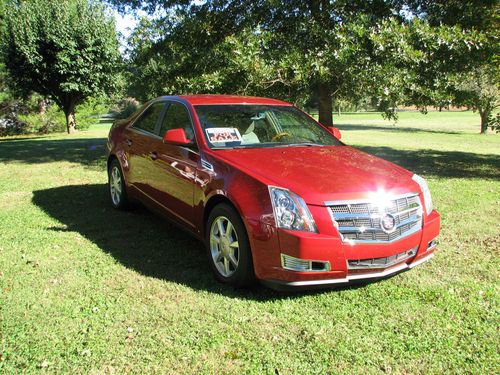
335	131
176	137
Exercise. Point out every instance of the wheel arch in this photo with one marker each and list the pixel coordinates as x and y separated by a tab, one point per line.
213	201
111	157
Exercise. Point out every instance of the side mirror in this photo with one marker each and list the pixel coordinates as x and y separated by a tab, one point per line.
335	131
176	137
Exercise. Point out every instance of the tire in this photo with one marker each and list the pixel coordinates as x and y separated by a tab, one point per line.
229	254
116	186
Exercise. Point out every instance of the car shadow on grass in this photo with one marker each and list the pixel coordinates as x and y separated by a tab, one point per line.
140	240
39	150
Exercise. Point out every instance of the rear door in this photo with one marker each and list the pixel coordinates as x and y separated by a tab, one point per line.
141	139
175	166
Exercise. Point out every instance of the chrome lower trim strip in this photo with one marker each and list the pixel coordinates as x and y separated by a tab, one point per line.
421	260
375	275
365	276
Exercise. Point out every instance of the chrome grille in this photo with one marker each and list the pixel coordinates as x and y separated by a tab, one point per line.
360	221
385	262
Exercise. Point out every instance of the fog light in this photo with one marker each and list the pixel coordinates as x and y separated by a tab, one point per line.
303	265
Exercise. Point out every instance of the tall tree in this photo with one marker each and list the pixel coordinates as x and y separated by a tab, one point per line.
470	72
66	50
479	89
401	52
295	48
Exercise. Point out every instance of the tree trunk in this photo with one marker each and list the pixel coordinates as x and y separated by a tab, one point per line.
325	104
42	106
484	120
69	112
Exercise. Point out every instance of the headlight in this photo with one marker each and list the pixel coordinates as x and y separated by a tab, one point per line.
290	210
425	190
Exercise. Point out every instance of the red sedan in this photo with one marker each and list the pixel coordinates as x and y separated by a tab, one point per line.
273	194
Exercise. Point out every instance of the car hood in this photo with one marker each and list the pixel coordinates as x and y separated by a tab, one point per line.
320	174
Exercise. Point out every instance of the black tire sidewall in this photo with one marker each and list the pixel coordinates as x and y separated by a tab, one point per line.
244	274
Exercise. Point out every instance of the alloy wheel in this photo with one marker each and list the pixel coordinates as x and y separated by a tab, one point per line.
224	246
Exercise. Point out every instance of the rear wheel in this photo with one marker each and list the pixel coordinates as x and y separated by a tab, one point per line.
228	248
116	184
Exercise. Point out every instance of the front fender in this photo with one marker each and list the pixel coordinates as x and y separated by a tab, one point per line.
251	199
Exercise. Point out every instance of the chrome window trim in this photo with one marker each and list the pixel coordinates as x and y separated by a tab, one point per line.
144	132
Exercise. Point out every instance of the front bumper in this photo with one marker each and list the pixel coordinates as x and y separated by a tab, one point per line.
328	247
350	279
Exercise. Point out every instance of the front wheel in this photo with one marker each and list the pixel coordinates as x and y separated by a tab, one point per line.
228	248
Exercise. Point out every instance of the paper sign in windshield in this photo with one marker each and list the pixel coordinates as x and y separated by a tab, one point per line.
222	135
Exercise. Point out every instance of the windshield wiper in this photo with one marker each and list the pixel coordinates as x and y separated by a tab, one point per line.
230	147
305	144
263	145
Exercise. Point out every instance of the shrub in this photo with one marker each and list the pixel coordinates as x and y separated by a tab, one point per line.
53	119
10	124
124	108
49	122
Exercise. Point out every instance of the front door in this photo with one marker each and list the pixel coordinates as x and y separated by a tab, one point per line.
175	166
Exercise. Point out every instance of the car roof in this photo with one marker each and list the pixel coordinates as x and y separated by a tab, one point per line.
230	99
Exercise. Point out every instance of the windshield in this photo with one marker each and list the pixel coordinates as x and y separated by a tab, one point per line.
244	125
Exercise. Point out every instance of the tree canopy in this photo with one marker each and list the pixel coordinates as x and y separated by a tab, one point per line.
66	50
398	52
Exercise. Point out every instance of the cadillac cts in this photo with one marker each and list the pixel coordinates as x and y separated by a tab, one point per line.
273	194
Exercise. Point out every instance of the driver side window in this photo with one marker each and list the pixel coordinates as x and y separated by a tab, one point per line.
177	116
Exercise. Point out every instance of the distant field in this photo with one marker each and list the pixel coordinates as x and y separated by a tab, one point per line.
453	121
87	289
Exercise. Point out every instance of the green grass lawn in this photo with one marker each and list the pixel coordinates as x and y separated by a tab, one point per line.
87	289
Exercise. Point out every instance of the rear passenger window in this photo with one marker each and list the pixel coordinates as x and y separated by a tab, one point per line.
177	117
149	118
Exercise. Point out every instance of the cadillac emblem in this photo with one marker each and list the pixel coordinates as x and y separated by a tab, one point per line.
388	223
